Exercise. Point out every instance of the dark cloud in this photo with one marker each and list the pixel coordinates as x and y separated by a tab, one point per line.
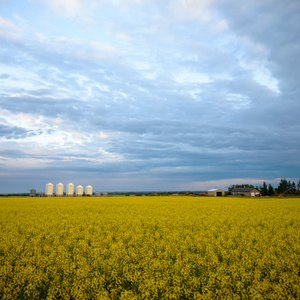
4	76
14	132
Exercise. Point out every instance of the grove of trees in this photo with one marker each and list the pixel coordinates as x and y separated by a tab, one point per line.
285	187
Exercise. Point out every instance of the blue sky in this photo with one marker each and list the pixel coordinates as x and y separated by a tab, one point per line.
148	95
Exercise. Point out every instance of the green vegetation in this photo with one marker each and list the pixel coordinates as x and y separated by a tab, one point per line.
174	247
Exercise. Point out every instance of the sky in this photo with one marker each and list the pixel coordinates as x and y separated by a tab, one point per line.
148	95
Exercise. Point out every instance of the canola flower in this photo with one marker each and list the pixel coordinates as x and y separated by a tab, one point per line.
174	247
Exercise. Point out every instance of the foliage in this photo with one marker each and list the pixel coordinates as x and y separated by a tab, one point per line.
174	247
264	190
271	191
287	187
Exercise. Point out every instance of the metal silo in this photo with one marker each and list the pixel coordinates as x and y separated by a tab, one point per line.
79	190
32	192
70	189
49	189
59	189
89	190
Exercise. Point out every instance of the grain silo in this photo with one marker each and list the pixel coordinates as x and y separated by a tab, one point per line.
88	190
49	189
59	189
70	189
32	192
79	190
97	194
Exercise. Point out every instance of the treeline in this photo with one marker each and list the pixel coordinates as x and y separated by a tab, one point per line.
285	187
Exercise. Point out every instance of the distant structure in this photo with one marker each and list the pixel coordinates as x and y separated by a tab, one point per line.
216	192
79	190
97	194
70	189
59	189
49	189
89	190
250	192
32	192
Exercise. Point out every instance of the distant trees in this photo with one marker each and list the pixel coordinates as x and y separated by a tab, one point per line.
264	190
288	187
267	190
285	187
271	190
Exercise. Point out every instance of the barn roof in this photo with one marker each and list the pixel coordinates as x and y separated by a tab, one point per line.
243	189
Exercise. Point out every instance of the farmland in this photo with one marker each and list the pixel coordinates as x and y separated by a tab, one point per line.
175	247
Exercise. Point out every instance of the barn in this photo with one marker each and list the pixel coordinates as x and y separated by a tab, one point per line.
250	192
216	192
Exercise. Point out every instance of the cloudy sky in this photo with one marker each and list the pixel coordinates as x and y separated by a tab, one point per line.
148	95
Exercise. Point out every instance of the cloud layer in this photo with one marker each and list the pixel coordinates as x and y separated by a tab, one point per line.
148	95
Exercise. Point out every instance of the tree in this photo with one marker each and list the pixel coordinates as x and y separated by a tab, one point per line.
264	190
271	191
283	186
293	187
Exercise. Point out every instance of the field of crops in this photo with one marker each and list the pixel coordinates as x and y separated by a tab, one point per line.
172	247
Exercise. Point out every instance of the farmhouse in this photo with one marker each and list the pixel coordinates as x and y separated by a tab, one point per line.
245	192
216	192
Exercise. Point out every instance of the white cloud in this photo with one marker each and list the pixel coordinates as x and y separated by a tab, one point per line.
25	163
190	77
238	101
264	77
84	48
220	25
191	9
102	135
10	30
67	8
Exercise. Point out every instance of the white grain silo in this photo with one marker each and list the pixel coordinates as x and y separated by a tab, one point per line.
59	189
88	190
49	189
70	189
79	190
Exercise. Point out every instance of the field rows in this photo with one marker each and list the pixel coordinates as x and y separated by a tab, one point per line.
175	247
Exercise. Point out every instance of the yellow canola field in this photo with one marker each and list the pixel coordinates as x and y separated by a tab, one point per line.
175	247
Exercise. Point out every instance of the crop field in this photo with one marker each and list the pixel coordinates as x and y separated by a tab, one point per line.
172	247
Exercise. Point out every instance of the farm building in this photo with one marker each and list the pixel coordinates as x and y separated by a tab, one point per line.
32	192
49	189
79	190
245	192
216	192
89	190
59	189
70	189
